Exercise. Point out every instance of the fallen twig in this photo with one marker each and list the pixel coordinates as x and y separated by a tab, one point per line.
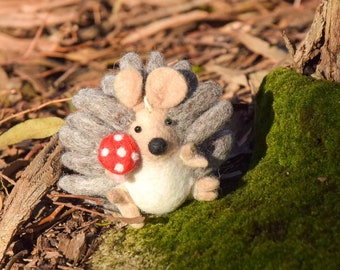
52	216
113	218
36	38
11	181
98	201
34	109
15	258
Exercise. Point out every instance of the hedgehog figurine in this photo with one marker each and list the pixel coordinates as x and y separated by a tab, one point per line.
149	139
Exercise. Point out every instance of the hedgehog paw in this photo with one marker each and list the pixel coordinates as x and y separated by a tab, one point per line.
191	158
206	189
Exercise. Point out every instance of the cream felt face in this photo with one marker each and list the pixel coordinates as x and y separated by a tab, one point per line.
154	134
164	89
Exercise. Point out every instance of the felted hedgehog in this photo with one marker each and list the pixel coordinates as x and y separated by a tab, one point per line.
148	139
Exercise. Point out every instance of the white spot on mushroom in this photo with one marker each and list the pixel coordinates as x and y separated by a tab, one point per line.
121	152
118	137
119	167
105	151
134	156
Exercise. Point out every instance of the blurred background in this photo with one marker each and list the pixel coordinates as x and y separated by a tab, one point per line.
49	49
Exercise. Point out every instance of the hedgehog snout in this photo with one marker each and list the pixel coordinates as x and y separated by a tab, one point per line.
157	146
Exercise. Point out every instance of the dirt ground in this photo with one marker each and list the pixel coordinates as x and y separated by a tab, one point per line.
50	49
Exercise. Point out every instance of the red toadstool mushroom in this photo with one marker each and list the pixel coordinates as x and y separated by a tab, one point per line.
118	153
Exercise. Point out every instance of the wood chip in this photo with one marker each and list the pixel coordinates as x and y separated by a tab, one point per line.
38	177
74	247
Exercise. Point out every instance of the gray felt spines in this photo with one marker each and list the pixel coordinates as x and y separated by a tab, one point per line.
87	165
81	138
106	108
208	122
77	141
88	124
86	185
83	132
156	60
107	83
182	65
131	60
203	98
222	147
217	147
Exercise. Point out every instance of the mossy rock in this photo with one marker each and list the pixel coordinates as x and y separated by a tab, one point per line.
286	214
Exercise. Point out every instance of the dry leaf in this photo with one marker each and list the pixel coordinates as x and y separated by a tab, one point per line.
261	47
31	129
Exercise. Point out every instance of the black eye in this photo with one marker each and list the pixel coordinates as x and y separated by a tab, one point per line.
138	129
168	122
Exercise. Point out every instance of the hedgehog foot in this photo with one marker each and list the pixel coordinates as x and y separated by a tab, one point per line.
128	209
206	189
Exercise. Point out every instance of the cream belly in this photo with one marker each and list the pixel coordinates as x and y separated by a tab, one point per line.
161	186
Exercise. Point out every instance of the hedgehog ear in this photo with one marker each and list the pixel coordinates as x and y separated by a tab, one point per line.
128	85
165	88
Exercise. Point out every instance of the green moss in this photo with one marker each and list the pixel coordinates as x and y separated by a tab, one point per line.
197	69
283	216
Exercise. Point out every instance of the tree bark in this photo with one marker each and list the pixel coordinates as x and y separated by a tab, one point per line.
35	182
319	53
